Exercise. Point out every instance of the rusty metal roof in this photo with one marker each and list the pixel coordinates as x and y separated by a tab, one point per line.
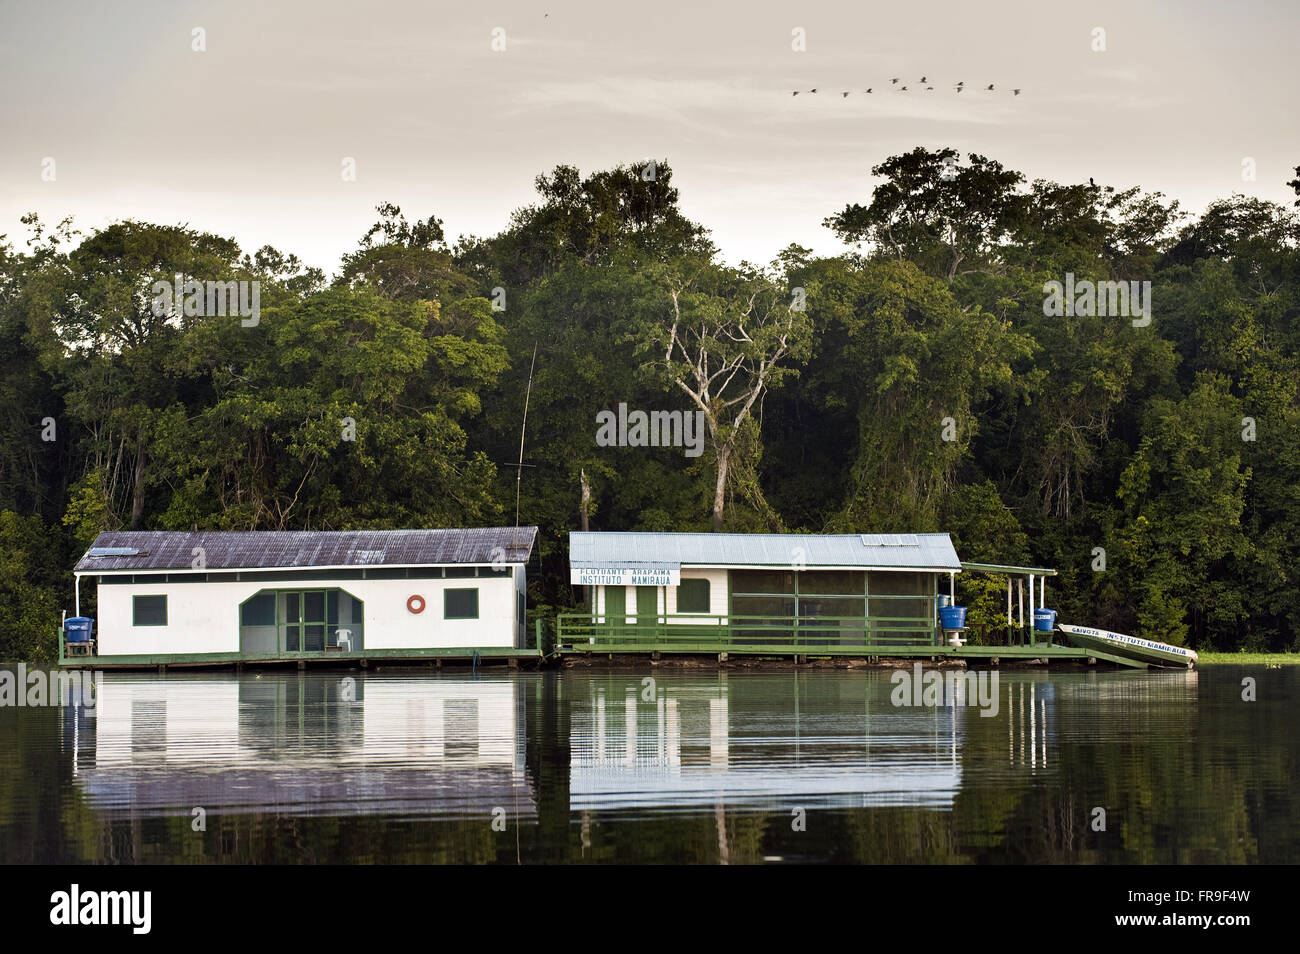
268	549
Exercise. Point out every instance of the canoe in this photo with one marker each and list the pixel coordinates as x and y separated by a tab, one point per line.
1130	647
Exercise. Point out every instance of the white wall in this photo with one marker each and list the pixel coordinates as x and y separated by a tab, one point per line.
717	594
390	625
666	597
204	617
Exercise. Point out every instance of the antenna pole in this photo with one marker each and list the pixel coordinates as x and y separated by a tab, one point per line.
519	471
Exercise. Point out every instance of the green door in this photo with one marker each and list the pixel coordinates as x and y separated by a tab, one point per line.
304	616
647	608
615	606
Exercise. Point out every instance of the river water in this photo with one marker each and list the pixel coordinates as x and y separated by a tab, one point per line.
660	765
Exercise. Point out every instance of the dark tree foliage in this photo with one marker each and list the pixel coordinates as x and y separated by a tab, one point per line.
916	382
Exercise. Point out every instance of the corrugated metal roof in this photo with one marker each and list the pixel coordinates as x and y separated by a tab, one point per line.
615	548
266	549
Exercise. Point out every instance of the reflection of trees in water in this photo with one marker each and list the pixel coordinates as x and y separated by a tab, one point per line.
1186	771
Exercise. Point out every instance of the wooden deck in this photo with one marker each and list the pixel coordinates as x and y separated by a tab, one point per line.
362	659
841	638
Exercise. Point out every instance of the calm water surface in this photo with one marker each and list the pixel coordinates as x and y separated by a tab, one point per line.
581	766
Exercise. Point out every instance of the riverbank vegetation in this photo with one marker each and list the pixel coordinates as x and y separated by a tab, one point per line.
915	383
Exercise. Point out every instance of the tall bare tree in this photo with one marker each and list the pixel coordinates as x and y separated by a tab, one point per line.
727	336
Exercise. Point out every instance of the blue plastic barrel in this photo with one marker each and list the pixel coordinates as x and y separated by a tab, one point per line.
1044	620
77	629
952	617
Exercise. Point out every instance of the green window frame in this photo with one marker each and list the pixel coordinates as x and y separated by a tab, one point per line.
151	613
460	603
693	596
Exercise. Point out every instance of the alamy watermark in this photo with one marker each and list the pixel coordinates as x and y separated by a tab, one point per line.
209	299
74	907
1098	299
38	688
651	429
951	688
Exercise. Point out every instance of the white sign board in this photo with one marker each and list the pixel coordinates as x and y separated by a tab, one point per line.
626	576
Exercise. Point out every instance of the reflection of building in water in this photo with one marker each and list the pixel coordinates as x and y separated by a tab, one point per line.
1031	719
750	744
304	744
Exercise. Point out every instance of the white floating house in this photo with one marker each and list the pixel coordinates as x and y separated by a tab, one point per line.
227	596
843	589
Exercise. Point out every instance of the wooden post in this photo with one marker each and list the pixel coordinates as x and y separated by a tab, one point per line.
1020	603
584	508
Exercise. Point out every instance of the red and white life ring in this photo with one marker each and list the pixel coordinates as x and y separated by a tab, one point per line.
415	603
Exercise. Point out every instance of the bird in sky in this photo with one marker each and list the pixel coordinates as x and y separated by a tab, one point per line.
960	87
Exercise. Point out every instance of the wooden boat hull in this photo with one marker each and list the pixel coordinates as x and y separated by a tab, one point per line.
1130	647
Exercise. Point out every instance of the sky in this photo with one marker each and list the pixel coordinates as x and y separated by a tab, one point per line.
248	138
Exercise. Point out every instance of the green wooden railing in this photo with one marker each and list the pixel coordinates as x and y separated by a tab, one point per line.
816	635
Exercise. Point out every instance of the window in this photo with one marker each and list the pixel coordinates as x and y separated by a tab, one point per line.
762	582
462	572
460	604
693	596
258	610
149	611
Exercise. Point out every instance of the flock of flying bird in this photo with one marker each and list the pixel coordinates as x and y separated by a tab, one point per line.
893	84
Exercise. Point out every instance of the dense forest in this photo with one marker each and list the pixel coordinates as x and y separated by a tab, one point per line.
923	381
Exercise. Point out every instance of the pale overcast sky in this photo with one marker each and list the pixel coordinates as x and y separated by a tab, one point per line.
248	138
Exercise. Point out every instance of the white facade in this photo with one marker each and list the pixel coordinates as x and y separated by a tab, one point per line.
666	599
204	617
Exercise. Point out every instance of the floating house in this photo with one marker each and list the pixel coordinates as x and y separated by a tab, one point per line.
218	597
758	589
859	594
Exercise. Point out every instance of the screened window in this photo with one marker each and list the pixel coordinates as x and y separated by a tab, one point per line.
693	596
461	572
149	611
771	606
832	582
460	604
762	581
899	583
258	611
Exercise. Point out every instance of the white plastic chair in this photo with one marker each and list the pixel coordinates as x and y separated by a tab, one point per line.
343	638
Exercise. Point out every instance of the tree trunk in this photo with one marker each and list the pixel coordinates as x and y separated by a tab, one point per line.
586	501
137	493
720	489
